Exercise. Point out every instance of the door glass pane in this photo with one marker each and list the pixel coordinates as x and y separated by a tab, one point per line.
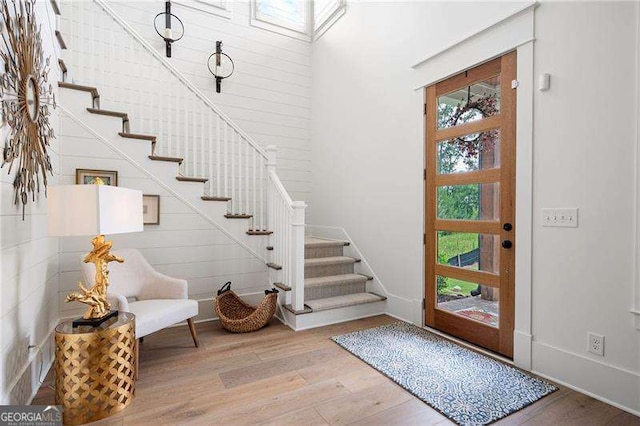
471	103
480	252
468	153
470	300
469	202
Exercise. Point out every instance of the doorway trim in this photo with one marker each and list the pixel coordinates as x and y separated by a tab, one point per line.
514	32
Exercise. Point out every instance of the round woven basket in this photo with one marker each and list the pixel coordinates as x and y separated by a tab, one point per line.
239	317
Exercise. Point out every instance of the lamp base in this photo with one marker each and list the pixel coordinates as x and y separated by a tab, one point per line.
93	322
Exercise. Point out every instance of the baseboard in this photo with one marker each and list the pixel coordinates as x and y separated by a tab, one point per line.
33	357
607	383
45	371
404	309
522	349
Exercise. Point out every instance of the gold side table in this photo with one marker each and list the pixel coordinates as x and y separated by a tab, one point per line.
96	368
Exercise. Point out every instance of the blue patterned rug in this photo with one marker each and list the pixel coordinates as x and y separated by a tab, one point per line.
468	387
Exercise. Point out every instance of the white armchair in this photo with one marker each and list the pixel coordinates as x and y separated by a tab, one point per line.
158	300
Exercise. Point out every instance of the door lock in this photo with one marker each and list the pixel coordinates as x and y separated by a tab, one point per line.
507	227
507	244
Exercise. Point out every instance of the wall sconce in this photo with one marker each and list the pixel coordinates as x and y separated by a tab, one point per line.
222	66
167	33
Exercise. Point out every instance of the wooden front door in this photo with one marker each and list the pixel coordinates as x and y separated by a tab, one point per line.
469	200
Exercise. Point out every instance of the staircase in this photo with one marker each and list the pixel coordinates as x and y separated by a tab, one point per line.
332	284
188	146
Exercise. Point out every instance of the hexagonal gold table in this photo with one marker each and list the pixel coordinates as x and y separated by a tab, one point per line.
95	368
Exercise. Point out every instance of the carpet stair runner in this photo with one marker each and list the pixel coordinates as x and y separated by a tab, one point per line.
330	278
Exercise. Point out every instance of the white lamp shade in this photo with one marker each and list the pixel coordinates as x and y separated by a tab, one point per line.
75	210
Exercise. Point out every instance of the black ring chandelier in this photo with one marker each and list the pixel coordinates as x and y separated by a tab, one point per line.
167	33
220	65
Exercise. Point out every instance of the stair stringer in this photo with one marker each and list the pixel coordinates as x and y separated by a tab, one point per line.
162	173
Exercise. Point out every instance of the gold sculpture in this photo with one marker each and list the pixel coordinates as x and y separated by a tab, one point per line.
26	96
96	297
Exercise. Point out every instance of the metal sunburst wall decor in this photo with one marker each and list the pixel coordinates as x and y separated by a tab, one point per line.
26	99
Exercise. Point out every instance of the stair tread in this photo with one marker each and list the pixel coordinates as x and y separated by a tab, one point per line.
282	286
343	301
137	136
210	198
107	112
55	6
255	232
334	260
274	266
61	42
238	216
317	242
334	280
191	179
73	86
289	308
170	159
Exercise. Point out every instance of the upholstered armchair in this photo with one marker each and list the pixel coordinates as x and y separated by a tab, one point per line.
156	300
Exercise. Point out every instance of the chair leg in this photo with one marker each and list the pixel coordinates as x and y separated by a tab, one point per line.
192	329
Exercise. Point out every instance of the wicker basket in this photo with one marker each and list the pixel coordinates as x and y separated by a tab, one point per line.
240	317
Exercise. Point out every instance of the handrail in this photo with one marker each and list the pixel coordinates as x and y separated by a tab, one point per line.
280	187
180	76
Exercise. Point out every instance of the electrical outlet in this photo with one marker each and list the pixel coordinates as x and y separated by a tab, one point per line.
564	218
596	344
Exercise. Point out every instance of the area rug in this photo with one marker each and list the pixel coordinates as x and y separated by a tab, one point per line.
468	387
478	314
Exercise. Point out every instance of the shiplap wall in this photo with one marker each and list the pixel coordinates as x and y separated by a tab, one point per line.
183	245
29	268
268	96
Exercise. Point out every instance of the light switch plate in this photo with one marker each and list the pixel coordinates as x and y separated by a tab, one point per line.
564	218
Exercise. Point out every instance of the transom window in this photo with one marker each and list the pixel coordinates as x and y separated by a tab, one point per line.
302	19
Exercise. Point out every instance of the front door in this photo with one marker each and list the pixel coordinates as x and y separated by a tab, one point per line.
469	200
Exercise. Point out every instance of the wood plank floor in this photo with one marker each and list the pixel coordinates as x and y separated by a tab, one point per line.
277	376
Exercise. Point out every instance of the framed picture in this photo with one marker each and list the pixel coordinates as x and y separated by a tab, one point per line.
88	177
151	209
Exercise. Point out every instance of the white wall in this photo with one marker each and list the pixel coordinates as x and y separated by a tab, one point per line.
268	96
29	267
183	245
367	150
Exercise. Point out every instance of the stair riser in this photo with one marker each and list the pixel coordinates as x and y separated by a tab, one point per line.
320	292
326	270
316	252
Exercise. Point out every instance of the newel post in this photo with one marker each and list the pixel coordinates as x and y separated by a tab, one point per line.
297	255
272	154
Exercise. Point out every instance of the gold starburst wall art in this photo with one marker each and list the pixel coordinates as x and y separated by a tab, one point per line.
27	99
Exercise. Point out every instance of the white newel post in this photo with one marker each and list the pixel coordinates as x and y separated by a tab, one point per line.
297	255
272	153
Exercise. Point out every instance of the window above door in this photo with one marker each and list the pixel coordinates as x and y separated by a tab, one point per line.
305	20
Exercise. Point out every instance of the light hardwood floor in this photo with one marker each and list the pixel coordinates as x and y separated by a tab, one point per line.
278	376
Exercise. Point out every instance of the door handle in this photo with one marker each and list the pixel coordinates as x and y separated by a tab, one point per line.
507	244
507	227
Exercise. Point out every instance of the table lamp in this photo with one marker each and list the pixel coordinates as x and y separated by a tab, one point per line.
77	210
